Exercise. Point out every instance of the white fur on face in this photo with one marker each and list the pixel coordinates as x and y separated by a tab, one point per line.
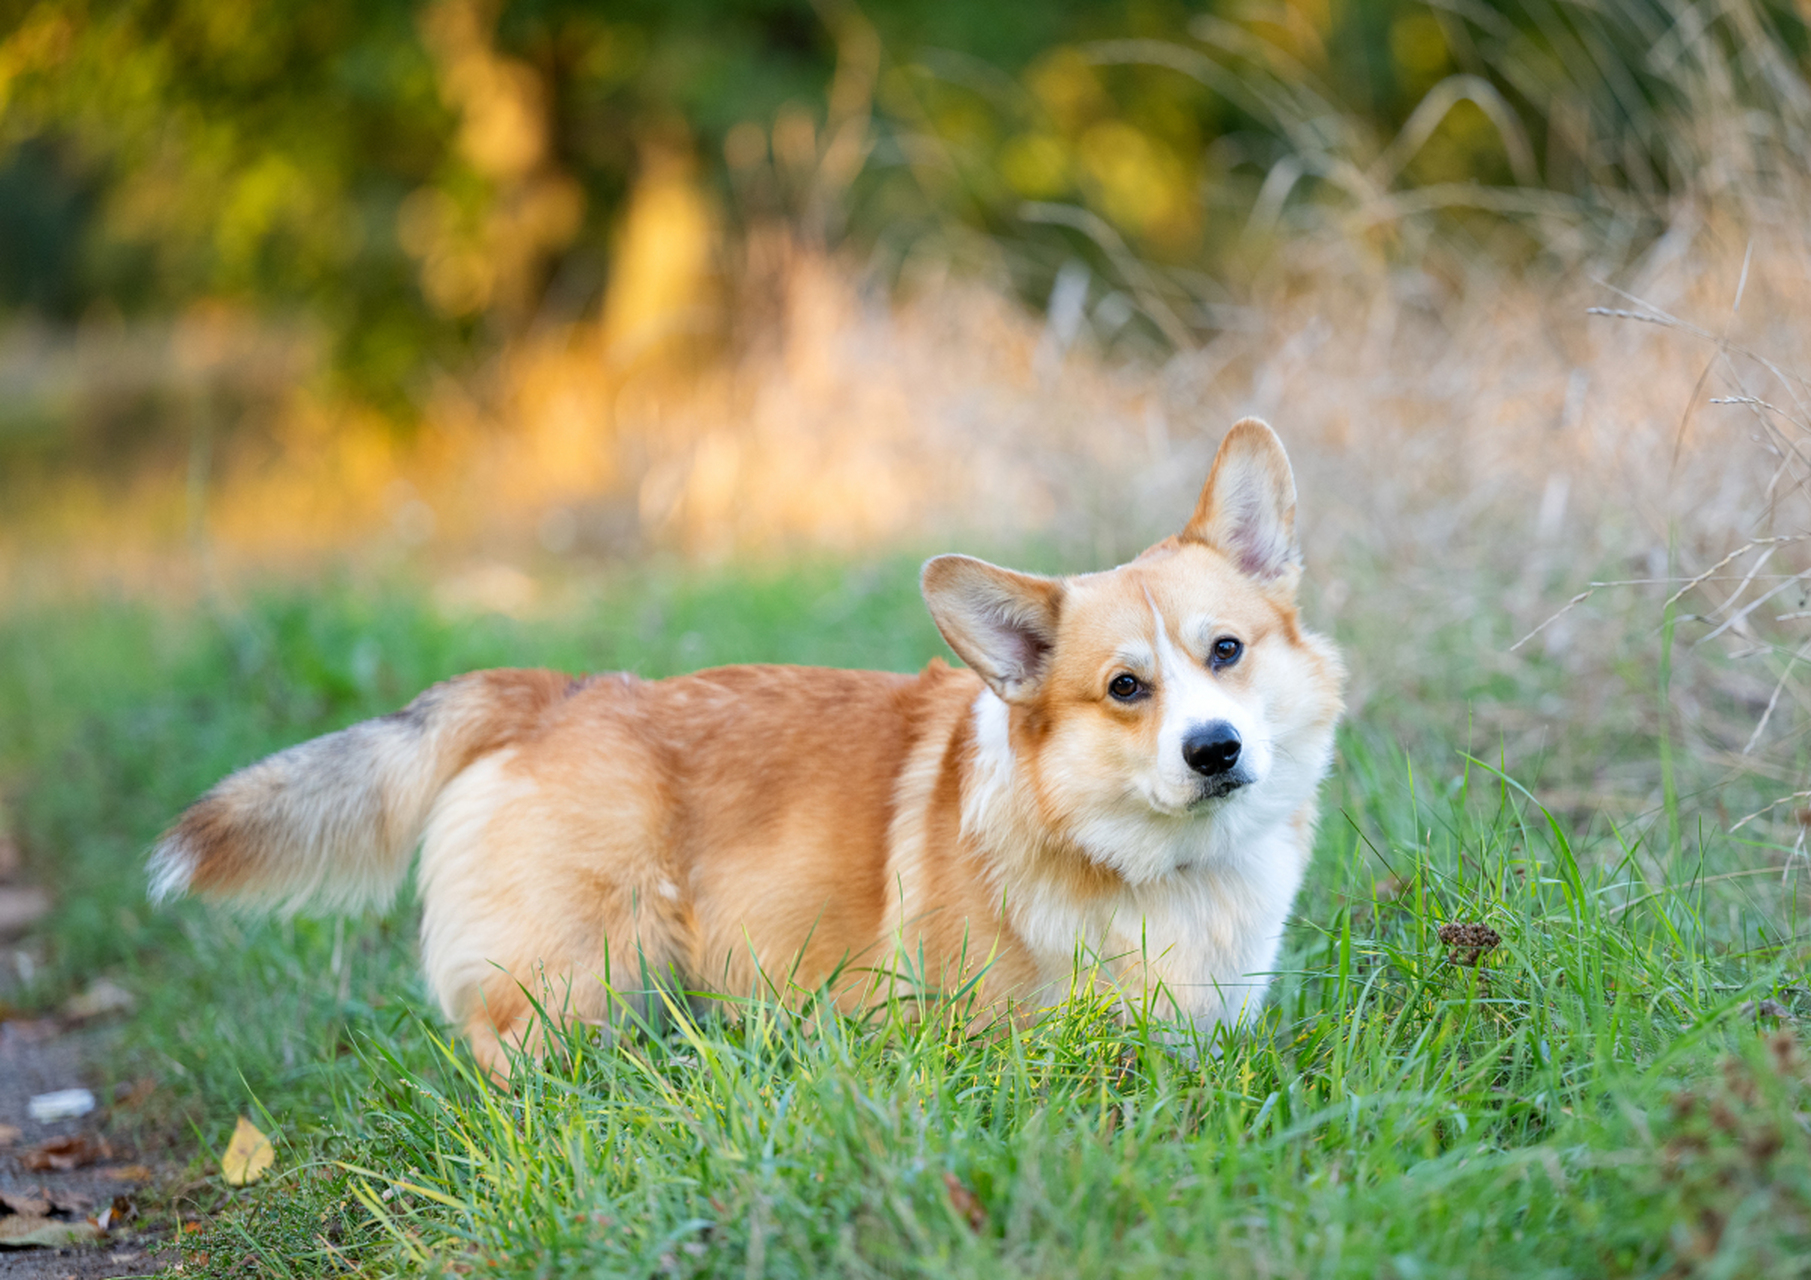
1127	796
1196	928
1131	800
1205	884
1192	697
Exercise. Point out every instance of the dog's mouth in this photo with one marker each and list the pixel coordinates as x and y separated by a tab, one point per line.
1203	799
1220	787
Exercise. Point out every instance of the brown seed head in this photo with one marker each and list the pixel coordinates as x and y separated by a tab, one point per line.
1468	940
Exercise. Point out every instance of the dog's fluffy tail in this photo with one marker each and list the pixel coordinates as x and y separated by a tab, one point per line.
332	823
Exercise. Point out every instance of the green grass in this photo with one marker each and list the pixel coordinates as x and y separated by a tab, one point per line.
1588	1101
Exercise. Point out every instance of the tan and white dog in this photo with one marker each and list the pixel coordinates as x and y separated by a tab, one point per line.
1125	775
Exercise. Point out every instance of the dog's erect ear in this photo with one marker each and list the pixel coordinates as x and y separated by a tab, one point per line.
1247	507
1003	624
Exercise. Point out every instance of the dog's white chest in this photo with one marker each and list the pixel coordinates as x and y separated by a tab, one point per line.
1198	944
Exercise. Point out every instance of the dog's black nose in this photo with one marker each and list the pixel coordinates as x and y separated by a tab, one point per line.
1212	748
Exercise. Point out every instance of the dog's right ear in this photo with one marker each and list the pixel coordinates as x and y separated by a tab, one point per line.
1247	509
1003	624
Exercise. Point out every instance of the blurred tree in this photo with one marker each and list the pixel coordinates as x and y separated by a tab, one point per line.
421	181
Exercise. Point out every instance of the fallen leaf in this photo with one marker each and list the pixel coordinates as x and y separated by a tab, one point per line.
20	1232
247	1156
9	1134
64	1154
33	1030
966	1203
128	1173
24	1202
21	906
100	999
69	1204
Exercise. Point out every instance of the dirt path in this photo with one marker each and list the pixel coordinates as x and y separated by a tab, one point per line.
101	1171
38	1057
42	1055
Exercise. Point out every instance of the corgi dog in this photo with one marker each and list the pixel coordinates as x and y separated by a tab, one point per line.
1125	774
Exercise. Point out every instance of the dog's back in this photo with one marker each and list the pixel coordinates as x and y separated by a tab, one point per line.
724	831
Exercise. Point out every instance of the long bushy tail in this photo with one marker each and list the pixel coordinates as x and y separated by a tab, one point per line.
333	822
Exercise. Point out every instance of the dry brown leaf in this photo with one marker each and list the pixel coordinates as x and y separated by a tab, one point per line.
20	908
17	1231
966	1203
64	1154
69	1204
33	1030
247	1156
102	997
23	1202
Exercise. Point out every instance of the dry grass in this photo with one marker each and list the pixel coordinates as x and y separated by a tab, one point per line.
1473	450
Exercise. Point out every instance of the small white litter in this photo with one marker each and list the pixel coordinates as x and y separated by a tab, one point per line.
64	1104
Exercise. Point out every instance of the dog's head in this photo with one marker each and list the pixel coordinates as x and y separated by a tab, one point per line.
1161	709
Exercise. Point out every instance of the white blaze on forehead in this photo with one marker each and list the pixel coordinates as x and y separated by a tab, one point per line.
1191	697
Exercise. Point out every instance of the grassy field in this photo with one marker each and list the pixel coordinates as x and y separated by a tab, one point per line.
1591	1098
1523	287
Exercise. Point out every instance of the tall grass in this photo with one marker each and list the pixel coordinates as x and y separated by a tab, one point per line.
1396	1109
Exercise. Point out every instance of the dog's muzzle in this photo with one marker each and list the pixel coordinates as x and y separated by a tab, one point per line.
1212	750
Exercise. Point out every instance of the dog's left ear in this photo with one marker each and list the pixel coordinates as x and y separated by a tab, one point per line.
1247	507
1002	623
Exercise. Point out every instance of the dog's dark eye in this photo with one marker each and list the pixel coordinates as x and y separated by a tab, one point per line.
1125	687
1226	651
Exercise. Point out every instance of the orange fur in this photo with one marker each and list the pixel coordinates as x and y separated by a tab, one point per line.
773	829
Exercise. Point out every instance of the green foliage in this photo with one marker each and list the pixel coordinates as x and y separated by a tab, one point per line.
418	181
159	154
